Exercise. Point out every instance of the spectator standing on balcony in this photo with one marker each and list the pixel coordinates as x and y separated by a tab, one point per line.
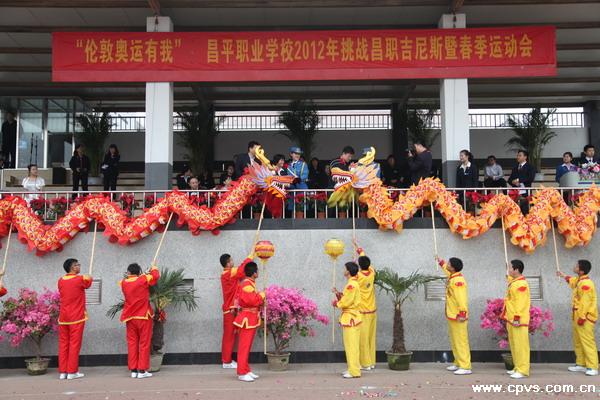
183	179
80	165
314	173
9	140
494	174
343	162
33	183
227	176
467	173
419	162
523	174
242	161
110	167
297	168
566	166
279	164
588	155
391	173
206	180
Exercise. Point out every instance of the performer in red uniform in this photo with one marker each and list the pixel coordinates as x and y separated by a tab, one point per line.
248	319
137	314
230	280
71	319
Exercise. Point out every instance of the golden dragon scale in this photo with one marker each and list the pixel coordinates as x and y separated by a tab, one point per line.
576	225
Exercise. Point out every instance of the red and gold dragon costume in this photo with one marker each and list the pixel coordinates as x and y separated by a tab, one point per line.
577	225
125	230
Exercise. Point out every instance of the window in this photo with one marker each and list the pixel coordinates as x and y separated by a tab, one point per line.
435	290
188	285
535	287
93	295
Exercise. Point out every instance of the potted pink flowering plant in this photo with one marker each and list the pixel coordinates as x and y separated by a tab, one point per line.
539	321
289	313
31	316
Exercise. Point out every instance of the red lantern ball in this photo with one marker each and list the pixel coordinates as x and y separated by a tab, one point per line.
264	250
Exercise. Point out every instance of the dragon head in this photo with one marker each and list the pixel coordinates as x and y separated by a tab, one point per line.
265	178
359	176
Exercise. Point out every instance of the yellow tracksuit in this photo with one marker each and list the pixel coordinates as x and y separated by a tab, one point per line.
350	321
516	308
457	307
368	310
585	314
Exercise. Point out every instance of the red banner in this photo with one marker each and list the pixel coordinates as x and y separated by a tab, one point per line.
302	55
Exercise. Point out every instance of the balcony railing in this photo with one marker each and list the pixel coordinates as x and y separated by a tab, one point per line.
346	122
301	204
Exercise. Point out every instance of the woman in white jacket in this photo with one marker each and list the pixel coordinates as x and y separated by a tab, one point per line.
33	183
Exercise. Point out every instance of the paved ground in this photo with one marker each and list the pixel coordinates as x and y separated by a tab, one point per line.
302	382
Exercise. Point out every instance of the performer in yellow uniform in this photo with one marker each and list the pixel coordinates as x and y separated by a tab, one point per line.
368	311
349	302
457	314
516	314
585	314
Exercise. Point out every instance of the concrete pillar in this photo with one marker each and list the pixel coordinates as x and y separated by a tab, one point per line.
592	122
159	123
454	107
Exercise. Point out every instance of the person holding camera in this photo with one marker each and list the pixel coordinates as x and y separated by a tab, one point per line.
419	162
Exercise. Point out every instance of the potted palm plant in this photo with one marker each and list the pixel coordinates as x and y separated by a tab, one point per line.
532	133
200	128
419	124
399	289
95	129
302	124
170	290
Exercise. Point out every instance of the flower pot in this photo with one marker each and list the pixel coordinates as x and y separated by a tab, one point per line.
508	361
321	215
278	362
399	361
37	366
299	214
156	362
342	214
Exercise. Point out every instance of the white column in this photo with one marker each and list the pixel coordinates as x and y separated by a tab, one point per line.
454	107
159	123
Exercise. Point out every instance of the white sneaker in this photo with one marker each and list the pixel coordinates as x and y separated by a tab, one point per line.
366	368
246	378
76	375
142	375
591	372
253	375
231	365
517	375
512	371
62	376
576	368
461	371
348	376
134	374
451	368
373	366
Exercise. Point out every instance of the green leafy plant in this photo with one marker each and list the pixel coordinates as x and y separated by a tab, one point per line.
200	128
419	124
399	289
302	123
532	133
95	128
170	290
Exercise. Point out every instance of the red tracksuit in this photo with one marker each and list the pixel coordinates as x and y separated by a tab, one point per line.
71	320
248	319
230	280
3	291
138	314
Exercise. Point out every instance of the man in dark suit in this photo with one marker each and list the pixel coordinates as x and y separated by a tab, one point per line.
588	155
241	161
522	176
419	163
9	140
